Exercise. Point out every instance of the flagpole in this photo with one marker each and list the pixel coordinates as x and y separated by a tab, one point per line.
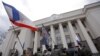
20	43
14	45
49	34
9	42
18	38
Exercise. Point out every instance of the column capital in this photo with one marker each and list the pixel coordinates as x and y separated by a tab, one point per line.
51	25
60	23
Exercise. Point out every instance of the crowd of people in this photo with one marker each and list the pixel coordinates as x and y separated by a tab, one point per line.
62	52
72	51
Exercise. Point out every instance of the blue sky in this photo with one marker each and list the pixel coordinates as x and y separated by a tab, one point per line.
38	9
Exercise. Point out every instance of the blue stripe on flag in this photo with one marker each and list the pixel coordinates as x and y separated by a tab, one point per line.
15	14
14	11
45	39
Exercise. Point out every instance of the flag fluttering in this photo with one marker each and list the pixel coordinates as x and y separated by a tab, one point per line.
18	18
45	37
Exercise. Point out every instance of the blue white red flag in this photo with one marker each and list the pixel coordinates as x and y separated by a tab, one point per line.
18	18
45	37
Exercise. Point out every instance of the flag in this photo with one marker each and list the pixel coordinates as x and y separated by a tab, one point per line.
79	43
18	18
45	37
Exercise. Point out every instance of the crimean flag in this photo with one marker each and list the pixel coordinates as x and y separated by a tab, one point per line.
18	18
45	37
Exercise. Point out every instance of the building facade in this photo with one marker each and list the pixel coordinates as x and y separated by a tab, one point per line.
82	25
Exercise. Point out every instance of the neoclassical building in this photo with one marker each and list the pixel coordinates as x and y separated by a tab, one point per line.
82	24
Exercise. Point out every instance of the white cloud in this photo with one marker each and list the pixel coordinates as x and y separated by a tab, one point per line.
44	8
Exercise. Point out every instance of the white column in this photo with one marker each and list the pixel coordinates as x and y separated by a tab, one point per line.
53	36
87	37
35	42
63	36
9	43
28	39
72	33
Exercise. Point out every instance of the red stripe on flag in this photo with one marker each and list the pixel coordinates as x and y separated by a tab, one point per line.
24	25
